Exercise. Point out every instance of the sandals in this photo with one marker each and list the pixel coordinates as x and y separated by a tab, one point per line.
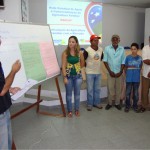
141	110
77	113
69	114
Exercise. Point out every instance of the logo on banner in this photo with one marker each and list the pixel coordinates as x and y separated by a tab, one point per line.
93	18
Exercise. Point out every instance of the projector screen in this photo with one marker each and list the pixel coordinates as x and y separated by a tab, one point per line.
77	18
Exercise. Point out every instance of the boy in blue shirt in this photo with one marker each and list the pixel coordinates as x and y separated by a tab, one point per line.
133	65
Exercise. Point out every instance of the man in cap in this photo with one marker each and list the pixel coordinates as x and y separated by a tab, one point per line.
145	77
114	59
93	56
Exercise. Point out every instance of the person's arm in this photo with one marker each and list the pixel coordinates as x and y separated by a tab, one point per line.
64	65
141	64
122	67
102	56
148	75
112	74
123	62
105	60
121	71
85	54
82	64
9	79
123	58
146	61
125	69
144	56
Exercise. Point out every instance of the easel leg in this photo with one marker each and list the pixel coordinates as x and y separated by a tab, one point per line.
38	98
60	97
13	146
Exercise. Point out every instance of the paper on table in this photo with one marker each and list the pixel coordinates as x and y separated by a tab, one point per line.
28	85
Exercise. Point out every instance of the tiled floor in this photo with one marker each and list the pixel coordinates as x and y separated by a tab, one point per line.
98	129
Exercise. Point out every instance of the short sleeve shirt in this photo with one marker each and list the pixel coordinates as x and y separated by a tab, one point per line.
146	55
93	61
5	101
133	65
114	58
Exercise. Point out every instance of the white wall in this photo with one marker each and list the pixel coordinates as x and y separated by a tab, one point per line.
12	11
38	11
147	26
128	22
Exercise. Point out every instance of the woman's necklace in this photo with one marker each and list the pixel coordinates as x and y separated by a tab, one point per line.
72	52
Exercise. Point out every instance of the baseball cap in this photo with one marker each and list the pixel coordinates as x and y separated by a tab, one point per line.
94	36
116	36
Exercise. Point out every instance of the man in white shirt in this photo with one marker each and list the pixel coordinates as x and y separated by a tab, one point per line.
93	56
145	77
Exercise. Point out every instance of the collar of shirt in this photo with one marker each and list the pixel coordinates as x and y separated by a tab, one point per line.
119	47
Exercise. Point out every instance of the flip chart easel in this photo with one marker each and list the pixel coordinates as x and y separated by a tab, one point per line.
33	45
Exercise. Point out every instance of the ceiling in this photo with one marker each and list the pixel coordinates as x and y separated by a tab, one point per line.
134	3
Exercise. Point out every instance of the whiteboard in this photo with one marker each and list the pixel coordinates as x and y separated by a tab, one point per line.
33	46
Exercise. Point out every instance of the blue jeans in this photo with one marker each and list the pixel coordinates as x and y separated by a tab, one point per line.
5	131
129	86
74	82
93	89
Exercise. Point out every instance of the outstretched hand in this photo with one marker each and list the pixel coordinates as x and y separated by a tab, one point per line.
14	90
